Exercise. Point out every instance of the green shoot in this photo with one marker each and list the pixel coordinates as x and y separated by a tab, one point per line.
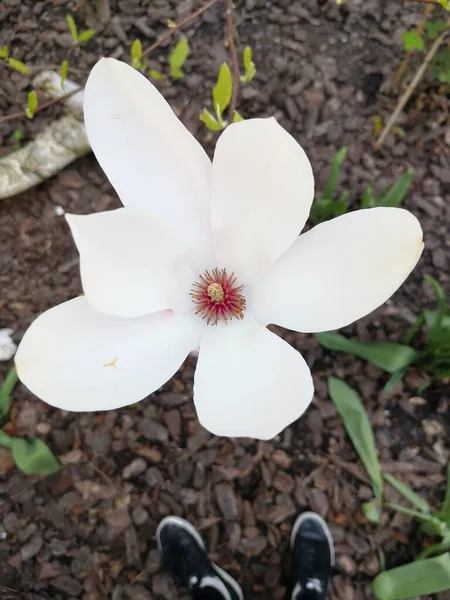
14	63
78	38
178	57
31	104
17	137
326	207
6	392
221	96
358	427
154	74
18	65
73	30
63	73
136	55
249	65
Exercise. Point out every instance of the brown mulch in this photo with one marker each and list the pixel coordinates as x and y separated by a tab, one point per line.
88	532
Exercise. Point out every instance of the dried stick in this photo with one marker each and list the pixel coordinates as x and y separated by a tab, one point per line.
165	36
412	86
234	60
178	25
405	62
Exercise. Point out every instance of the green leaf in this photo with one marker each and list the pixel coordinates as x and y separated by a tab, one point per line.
407	492
445	508
442	310
249	65
395	196
368	199
336	164
371	511
385	355
6	391
72	28
63	73
33	456
393	380
445	4
4	52
18	65
211	122
222	90
136	54
31	105
420	578
156	74
412	41
434	28
430	317
178	57
237	117
86	35
359	429
18	135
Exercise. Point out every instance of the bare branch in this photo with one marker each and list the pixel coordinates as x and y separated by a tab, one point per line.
176	26
412	86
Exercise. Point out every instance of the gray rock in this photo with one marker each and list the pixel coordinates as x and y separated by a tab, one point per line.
32	548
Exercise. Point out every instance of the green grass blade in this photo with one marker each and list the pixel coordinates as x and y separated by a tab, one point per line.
385	355
336	164
407	492
359	429
395	196
420	578
6	391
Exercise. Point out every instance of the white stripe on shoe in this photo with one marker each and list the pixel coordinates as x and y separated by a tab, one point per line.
231	582
180	523
217	584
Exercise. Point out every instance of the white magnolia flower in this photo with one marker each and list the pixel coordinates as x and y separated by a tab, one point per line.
205	255
7	346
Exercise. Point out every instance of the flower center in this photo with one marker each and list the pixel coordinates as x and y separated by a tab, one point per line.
218	297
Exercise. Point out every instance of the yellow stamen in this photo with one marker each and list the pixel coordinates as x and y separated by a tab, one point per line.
215	292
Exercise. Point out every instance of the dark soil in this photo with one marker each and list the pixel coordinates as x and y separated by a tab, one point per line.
88	532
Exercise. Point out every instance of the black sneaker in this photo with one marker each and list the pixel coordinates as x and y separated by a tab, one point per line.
312	545
185	558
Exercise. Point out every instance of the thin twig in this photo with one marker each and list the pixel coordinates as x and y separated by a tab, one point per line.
405	62
412	86
165	36
177	26
431	2
234	61
42	106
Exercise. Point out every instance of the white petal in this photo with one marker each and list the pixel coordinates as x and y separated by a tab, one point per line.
262	189
151	159
131	265
249	382
339	271
77	359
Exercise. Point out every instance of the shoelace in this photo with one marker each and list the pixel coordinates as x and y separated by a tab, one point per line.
314	584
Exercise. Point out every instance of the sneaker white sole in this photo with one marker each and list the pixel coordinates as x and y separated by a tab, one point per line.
180	523
195	534
318	519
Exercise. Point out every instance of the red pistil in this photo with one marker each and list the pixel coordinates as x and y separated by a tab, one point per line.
218	297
